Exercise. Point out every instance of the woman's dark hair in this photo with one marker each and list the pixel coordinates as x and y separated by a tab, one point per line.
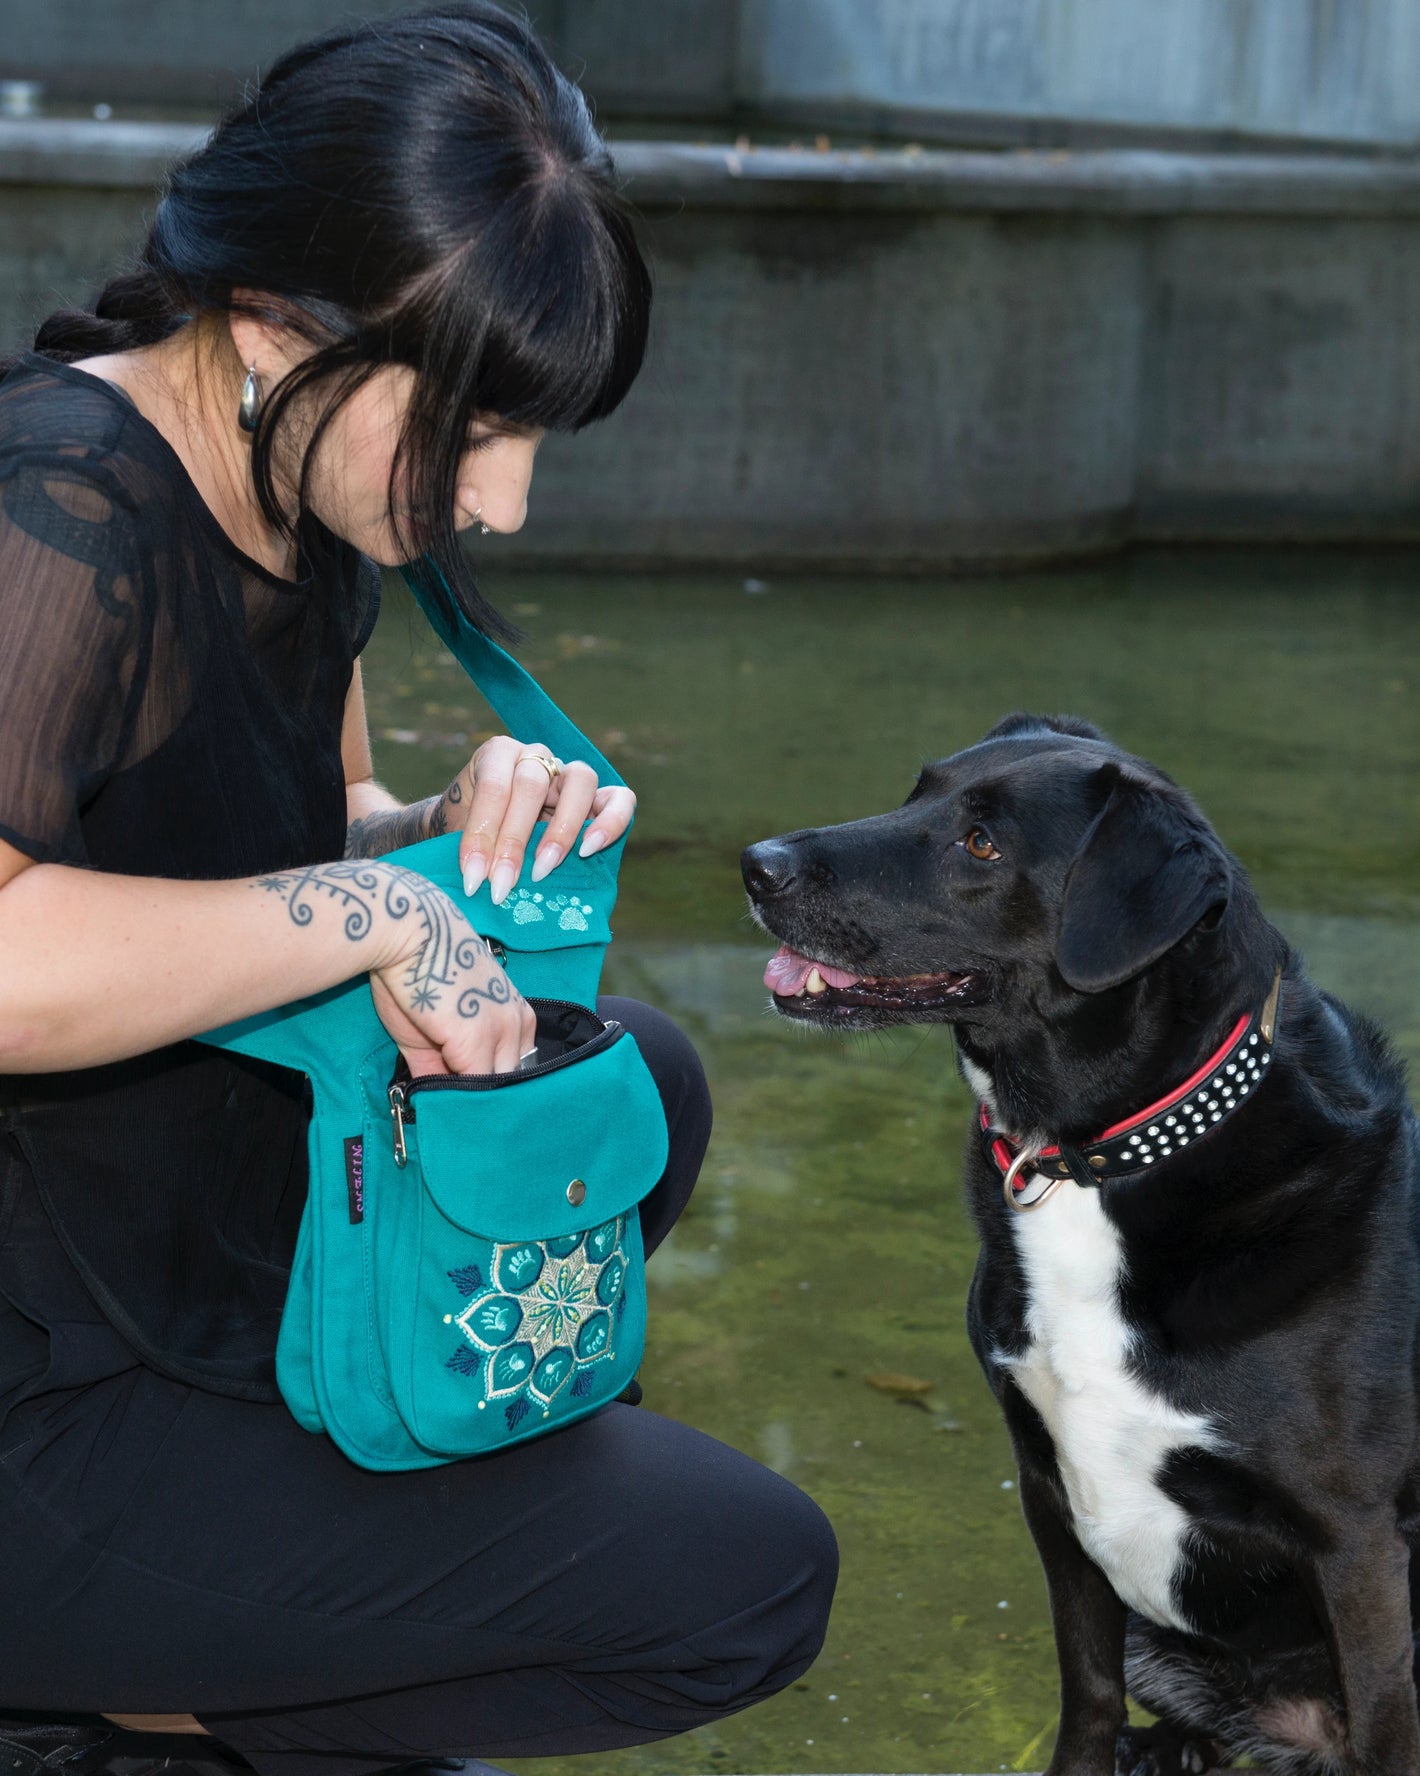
425	190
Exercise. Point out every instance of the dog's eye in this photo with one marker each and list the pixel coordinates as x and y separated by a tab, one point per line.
978	845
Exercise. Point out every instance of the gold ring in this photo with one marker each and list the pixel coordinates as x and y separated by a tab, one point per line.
552	766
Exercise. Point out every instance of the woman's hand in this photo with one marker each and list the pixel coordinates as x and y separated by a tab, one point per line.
505	789
443	998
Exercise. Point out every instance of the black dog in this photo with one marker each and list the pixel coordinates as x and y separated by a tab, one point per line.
1204	1331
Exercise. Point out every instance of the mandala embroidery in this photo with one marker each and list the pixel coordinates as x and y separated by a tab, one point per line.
546	1314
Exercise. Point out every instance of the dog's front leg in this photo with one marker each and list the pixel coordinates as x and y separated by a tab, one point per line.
1088	1620
1363	1588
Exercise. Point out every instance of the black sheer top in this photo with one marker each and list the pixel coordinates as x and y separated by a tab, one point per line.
167	708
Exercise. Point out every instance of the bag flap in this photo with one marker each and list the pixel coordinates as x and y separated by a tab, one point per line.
570	907
541	1158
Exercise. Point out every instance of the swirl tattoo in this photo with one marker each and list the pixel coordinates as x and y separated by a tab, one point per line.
352	887
447	948
499	991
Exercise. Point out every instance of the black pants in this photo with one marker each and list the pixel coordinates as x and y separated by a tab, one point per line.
165	1550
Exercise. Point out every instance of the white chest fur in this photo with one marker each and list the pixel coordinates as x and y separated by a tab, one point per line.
1110	1433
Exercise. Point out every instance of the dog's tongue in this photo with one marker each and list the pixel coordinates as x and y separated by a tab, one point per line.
788	970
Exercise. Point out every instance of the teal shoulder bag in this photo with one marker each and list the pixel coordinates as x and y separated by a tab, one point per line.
469	1270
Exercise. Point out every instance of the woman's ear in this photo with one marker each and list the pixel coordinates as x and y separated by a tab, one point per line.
1145	874
262	340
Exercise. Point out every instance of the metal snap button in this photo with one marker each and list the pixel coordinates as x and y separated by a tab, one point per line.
576	1193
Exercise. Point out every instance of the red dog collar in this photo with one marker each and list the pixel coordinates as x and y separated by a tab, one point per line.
1218	1087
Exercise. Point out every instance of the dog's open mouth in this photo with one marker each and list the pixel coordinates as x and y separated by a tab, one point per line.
803	987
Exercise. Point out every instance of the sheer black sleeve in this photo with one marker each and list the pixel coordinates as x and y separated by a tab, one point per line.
75	636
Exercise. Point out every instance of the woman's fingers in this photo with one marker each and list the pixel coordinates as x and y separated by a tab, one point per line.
531	785
512	789
612	809
574	792
509	788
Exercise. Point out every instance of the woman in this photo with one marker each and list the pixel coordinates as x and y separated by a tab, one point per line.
359	307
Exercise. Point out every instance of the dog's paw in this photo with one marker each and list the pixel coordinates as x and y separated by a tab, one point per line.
1163	1750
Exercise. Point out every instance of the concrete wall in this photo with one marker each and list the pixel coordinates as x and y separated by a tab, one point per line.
1202	72
1341	71
934	359
642	57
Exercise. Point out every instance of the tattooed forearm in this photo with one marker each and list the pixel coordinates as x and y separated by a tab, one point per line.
355	891
391	828
445	949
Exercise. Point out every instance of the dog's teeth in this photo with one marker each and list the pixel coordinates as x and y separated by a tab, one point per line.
815	983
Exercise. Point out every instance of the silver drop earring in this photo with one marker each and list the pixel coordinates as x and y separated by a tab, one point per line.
249	409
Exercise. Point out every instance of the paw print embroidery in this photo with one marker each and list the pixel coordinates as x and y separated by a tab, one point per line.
526	909
571	912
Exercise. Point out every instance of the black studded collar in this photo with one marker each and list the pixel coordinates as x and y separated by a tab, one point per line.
1220	1086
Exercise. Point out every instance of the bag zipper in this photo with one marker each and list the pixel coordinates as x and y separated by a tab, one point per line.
402	1090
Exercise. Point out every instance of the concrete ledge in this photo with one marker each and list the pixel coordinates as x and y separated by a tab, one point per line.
74	151
1117	182
1107	182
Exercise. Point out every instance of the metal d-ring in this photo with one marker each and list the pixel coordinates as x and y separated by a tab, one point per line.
1023	1159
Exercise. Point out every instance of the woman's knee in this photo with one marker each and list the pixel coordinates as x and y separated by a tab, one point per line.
799	1611
685	1097
777	1631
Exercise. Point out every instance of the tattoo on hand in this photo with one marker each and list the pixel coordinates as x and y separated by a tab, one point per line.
447	950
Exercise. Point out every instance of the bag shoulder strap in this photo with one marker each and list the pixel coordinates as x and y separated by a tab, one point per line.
518	700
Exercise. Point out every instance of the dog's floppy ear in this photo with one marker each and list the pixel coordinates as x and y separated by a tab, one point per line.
1144	875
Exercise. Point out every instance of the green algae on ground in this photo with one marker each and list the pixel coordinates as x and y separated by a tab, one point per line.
827	1240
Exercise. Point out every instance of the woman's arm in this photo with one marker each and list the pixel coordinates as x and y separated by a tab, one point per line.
376	821
99	967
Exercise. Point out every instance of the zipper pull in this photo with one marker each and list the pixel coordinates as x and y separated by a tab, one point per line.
399	1103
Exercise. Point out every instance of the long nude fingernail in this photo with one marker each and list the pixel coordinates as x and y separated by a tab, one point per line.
474	872
592	843
547	859
502	879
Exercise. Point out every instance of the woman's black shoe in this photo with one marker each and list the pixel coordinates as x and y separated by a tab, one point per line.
34	1746
89	1745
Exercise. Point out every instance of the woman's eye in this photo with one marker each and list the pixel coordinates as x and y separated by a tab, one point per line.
978	845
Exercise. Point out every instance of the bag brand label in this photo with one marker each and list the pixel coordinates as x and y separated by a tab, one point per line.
355	1176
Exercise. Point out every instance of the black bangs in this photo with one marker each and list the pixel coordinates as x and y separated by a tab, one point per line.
566	342
539	324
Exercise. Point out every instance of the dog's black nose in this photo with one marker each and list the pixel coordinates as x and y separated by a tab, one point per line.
767	868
